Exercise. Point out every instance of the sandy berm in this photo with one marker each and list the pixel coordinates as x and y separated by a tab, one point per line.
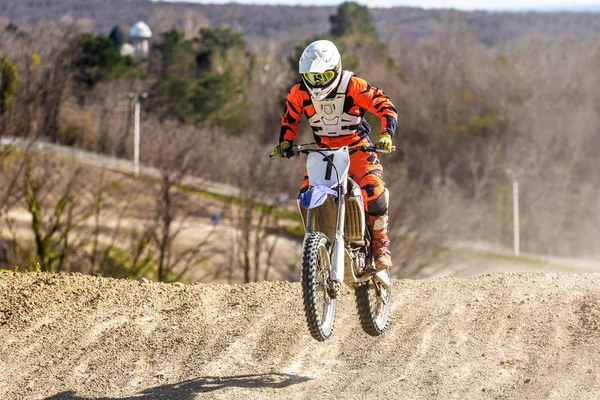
497	336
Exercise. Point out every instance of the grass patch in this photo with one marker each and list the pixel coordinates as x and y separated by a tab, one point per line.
295	230
289	214
207	195
512	257
498	256
36	270
263	208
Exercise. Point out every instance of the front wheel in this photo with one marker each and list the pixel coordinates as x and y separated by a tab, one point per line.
319	306
374	301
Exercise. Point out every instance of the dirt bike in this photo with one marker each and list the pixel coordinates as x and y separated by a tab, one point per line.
337	244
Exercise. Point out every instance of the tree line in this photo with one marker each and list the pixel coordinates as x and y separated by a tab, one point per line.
285	24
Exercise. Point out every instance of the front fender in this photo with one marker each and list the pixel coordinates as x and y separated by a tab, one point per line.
316	196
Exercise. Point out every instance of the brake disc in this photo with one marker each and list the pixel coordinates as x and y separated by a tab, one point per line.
333	288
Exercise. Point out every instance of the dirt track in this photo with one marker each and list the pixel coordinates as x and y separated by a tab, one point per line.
520	336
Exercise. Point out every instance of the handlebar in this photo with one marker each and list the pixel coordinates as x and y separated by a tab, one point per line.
298	149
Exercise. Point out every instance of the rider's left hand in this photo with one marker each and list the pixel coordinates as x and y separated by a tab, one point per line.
385	142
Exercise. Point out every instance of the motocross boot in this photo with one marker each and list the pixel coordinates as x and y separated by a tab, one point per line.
380	245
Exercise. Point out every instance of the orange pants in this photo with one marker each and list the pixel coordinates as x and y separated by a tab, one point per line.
367	172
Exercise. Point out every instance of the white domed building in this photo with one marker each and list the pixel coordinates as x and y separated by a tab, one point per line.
140	35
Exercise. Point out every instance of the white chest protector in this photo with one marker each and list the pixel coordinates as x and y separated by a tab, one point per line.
330	118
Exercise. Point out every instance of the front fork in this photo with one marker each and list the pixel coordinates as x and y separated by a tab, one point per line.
338	249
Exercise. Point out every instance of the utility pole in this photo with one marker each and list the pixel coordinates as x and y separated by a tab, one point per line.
516	222
136	136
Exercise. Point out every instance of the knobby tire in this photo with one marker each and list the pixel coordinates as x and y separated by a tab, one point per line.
315	250
373	319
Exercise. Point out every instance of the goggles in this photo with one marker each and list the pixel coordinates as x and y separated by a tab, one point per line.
319	80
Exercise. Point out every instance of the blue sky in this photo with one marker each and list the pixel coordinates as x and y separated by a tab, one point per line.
460	4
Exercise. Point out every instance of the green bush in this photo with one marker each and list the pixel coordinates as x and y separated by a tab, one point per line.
9	80
99	60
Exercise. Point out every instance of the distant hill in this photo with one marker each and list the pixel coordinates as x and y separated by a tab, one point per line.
290	24
579	8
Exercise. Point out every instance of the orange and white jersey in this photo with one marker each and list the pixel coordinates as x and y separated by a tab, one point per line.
338	120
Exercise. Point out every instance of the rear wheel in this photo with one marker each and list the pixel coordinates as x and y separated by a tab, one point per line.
373	301
319	306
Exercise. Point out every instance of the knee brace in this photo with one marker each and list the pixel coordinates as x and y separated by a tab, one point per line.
378	206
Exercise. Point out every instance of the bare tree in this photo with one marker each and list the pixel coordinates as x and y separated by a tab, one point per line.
176	154
57	205
256	212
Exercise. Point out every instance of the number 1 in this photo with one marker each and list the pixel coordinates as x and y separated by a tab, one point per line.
329	160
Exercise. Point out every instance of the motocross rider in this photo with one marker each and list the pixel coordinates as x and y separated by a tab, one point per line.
335	101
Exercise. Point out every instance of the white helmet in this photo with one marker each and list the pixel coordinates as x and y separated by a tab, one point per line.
321	67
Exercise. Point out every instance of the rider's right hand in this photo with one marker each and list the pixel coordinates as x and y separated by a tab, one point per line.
282	150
